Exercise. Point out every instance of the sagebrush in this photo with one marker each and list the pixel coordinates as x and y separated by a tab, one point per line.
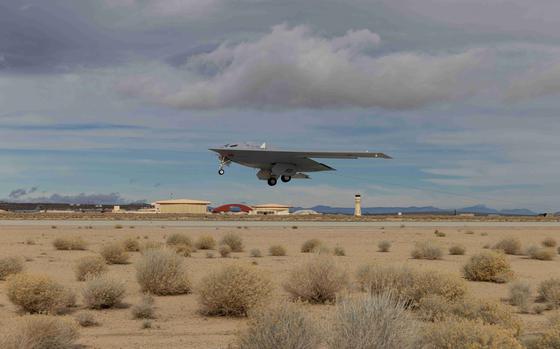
10	266
89	267
41	332
488	266
162	272
103	292
35	293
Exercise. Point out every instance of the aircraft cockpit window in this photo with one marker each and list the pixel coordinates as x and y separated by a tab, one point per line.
233	146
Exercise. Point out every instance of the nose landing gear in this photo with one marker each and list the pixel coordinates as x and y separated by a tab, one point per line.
221	172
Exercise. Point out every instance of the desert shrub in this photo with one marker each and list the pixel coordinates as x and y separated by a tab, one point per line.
10	266
86	319
372	321
233	291
317	281
114	253
162	272
310	245
408	284
439	234
37	293
103	292
183	250
118	226
151	245
209	254
433	308
225	251
488	266
277	250
234	241
89	266
70	243
541	253
179	239
549	242
520	294
255	253
457	250
549	292
282	326
144	309
384	246
558	250
489	313
466	334
41	332
339	251
131	245
206	242
509	246
146	324
550	339
426	250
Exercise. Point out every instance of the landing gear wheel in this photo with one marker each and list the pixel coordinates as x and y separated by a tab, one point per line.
285	178
221	172
272	181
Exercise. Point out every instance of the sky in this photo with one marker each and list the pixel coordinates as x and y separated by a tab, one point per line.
115	101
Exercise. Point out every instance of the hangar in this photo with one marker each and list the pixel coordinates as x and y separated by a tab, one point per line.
232	208
182	206
271	209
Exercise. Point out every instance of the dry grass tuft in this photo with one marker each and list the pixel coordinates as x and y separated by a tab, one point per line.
549	292
317	281
144	309
89	267
233	291
41	332
466	334
10	266
433	308
408	284
427	250
549	242
103	292
282	326
86	319
457	250
339	251
310	245
151	245
509	246
372	321
225	251
489	313
541	253
131	245
179	239
384	246
38	293
255	253
488	266
234	241
183	250
74	243
206	242
114	253
520	295
277	250
162	272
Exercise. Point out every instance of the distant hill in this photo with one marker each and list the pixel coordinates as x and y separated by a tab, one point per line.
477	209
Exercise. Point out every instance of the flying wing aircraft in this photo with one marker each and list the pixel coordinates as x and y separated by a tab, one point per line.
283	164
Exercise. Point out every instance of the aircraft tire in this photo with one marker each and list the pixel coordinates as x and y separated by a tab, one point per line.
272	181
221	172
285	178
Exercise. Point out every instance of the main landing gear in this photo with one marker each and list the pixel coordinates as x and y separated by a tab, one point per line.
285	178
272	181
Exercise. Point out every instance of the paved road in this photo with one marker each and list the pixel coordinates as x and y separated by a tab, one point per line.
274	223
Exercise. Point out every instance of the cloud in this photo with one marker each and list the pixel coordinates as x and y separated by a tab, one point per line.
292	68
534	84
17	193
82	198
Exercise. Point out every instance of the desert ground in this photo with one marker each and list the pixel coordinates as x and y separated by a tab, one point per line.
178	323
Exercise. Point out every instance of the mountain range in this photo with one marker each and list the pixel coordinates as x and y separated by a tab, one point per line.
477	209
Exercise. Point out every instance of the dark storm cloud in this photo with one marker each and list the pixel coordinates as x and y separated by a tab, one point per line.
82	198
17	193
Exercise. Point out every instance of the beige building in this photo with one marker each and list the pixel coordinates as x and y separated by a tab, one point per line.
181	206
271	209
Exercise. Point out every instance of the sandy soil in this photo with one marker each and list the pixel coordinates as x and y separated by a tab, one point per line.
178	325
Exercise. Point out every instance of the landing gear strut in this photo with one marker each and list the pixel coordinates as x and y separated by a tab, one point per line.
272	181
285	178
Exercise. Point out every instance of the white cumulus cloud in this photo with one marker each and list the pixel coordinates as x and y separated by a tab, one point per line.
291	67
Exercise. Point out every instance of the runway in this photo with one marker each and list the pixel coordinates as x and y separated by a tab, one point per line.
326	224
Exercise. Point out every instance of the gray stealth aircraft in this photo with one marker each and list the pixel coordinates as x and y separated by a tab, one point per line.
284	164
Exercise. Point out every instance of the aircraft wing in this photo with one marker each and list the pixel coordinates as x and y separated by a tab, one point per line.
265	158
